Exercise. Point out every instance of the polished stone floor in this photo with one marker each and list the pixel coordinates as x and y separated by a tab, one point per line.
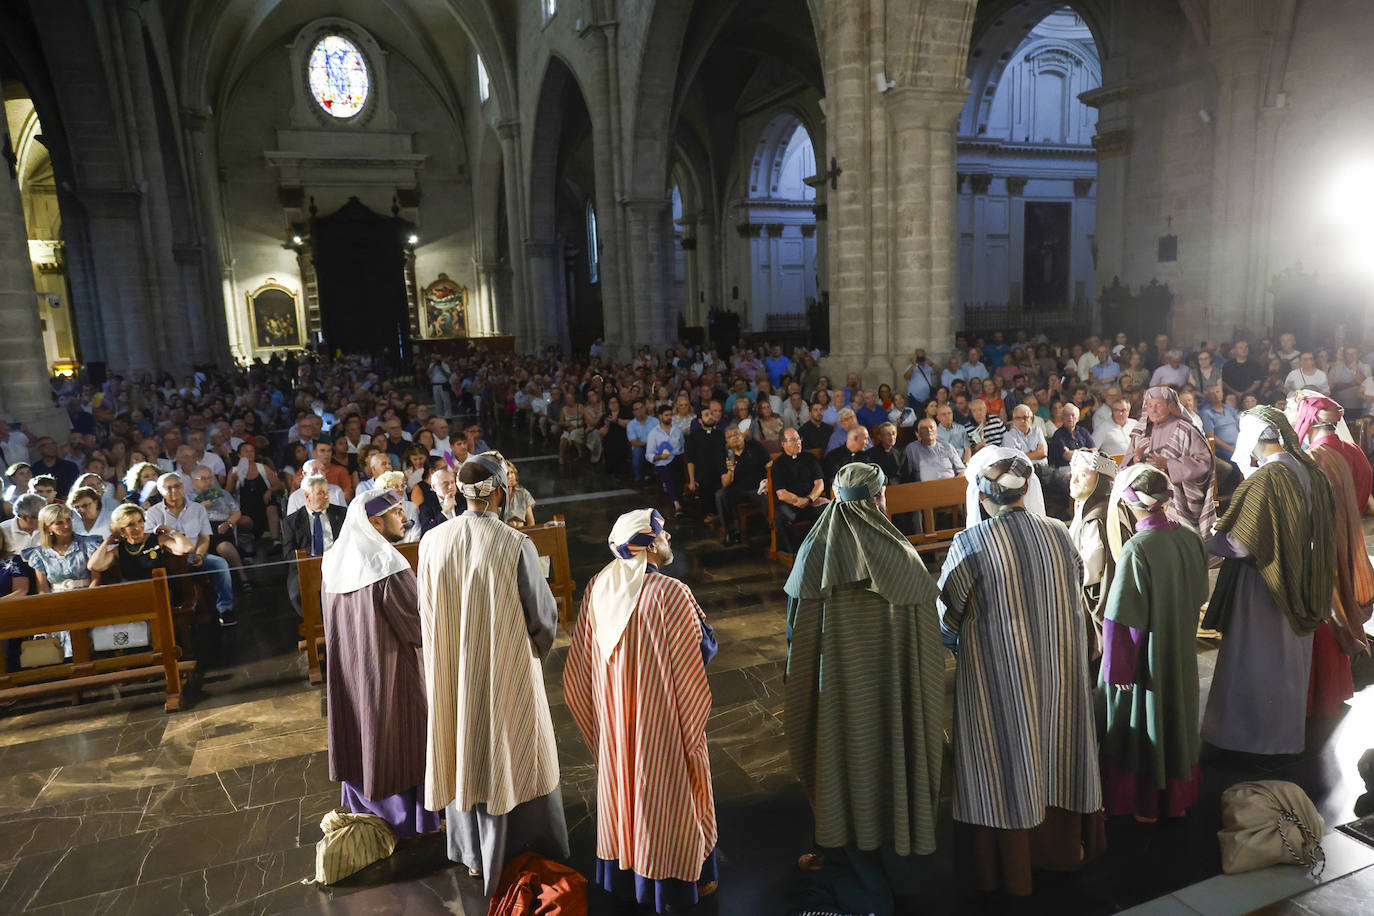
113	806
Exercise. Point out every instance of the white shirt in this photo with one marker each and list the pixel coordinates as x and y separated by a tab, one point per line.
1316	381
192	522
213	462
100	529
363	439
15	539
336	497
1086	364
324	519
16	447
1168	375
1112	439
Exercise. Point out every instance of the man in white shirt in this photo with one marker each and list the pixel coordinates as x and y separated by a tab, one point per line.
1173	373
438	427
439	372
1103	413
14	444
1025	436
1112	437
191	519
796	411
1307	375
21	532
196	440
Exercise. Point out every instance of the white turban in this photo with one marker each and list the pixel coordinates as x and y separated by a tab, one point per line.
615	593
978	465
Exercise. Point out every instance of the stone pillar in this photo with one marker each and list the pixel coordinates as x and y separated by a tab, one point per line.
180	332
25	395
648	228
488	299
546	289
711	276
691	273
207	208
516	319
1113	145
1231	297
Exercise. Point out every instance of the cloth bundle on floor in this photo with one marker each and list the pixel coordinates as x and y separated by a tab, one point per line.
1269	822
531	885
351	842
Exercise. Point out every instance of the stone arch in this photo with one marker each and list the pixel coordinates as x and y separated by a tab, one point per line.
654	105
488	202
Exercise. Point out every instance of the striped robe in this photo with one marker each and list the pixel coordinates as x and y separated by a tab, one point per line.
644	715
1024	737
490	732
1190	462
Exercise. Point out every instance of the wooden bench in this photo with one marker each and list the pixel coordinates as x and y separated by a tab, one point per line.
76	612
550	539
925	497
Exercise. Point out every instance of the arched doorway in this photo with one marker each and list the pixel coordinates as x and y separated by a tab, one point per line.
780	226
1027	174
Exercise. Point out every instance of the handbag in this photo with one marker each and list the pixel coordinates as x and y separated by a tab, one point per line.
351	842
132	635
1269	822
40	651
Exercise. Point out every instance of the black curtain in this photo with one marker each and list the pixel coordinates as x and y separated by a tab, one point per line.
360	264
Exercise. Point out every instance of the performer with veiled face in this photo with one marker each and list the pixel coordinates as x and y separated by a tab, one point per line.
1091	474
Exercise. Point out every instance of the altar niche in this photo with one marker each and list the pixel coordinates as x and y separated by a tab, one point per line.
360	260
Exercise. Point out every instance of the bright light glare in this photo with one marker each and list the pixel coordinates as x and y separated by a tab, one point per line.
1345	236
414	240
1350	196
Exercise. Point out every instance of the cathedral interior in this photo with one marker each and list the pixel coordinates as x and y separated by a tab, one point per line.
206	183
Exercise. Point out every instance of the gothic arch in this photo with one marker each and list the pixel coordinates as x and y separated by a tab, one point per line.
654	104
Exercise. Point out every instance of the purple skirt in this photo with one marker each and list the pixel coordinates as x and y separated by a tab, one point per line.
403	812
661	893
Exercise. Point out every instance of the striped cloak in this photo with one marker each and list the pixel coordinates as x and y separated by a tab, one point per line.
1190	462
490	733
1023	723
644	715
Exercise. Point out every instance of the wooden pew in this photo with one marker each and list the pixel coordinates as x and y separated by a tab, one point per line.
925	497
76	612
550	539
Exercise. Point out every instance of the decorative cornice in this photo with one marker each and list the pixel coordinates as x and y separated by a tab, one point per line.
1082	187
1105	95
774	230
1016	185
1113	143
1026	149
979	184
289	159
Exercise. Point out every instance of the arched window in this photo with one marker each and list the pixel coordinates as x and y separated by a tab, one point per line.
593	246
339	79
483	80
550	7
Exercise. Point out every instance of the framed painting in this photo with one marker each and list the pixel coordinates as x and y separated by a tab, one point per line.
446	309
274	312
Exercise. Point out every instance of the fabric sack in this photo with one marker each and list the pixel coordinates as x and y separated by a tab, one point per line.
132	635
351	842
1269	822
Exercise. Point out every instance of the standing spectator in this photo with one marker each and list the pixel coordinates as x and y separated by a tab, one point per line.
637	433
706	458
974	367
60	469
920	379
439	373
1221	421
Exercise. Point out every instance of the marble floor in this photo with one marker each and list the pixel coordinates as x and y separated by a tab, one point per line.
113	806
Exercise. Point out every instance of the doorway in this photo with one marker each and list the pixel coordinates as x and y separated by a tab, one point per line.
1046	269
360	259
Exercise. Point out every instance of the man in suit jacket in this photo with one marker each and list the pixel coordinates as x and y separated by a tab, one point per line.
441	503
298	530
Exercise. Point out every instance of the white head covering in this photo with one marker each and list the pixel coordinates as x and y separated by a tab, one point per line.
360	555
1120	486
1292	409
615	593
1093	459
979	463
1252	429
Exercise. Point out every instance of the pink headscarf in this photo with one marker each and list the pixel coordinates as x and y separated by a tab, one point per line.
1308	409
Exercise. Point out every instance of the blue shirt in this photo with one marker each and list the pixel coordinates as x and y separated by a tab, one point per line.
918	386
659	441
1106	372
871	417
956	436
776	366
640	429
971	371
1224	424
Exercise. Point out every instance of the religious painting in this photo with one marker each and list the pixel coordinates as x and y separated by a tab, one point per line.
446	309
275	315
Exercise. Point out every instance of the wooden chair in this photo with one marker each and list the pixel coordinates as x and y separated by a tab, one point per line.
550	539
925	497
76	612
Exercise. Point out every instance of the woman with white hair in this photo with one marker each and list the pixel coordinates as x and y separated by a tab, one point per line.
396	480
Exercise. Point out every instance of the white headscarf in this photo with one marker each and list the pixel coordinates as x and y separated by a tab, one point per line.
615	593
978	465
360	555
1124	482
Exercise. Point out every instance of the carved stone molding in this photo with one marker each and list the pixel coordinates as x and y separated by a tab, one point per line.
979	184
1082	187
774	230
1016	185
1113	143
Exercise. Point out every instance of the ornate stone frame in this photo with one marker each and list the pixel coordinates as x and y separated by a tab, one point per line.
305	112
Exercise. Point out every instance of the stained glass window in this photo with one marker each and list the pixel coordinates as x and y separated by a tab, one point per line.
339	79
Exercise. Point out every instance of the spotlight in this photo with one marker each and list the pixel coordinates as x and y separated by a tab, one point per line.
296	240
414	239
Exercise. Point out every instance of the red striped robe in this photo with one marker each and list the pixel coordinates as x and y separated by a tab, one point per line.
644	715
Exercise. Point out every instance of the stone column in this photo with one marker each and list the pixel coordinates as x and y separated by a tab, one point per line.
515	320
648	227
25	395
925	228
691	273
207	208
711	278
488	277
1232	302
546	290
